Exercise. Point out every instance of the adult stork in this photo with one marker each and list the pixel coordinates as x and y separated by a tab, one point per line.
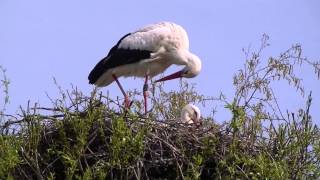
147	52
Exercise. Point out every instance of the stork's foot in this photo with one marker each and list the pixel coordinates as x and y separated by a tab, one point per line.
145	95
127	102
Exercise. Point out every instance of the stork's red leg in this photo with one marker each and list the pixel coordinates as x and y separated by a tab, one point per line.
145	94
126	98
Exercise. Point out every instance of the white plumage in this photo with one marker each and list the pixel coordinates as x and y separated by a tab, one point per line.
147	52
168	44
153	36
190	114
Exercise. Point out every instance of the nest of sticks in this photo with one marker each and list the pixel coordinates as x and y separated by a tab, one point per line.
91	137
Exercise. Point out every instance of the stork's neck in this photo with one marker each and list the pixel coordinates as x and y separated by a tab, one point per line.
192	63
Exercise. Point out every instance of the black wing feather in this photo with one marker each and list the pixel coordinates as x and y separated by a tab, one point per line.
117	57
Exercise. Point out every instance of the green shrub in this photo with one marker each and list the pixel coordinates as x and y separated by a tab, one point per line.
9	157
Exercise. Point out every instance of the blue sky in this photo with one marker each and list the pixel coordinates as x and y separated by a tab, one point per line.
41	39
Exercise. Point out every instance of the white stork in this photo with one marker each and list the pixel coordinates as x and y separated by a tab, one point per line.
190	114
147	52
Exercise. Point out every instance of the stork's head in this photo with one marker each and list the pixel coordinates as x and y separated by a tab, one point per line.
192	68
190	114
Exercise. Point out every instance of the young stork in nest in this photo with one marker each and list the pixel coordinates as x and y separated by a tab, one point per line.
190	114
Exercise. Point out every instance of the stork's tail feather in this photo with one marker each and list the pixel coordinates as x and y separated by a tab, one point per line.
97	72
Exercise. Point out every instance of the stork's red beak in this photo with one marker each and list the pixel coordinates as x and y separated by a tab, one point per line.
172	76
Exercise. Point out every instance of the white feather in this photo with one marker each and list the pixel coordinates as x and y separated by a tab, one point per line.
155	36
190	114
169	45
